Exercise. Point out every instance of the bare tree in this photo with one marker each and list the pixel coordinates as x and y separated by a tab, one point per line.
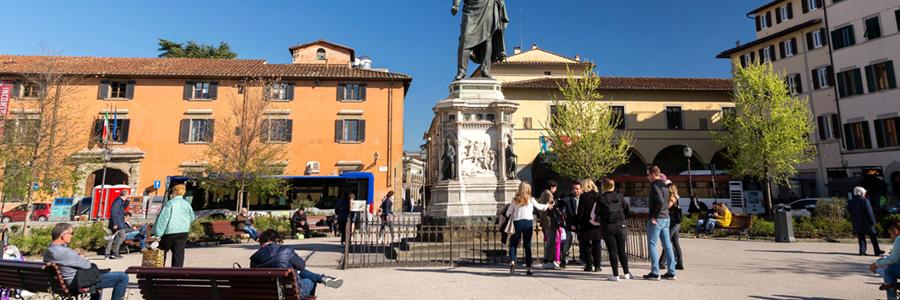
41	134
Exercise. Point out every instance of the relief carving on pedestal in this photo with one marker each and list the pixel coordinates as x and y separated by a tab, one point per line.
478	158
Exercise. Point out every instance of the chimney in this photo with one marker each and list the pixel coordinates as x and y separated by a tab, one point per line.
533	46
577	57
737	43
517	50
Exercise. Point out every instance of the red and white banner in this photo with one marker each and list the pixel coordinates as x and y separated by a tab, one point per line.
5	94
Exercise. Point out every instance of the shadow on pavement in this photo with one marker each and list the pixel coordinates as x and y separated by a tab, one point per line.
502	271
317	247
802	267
804	252
787	297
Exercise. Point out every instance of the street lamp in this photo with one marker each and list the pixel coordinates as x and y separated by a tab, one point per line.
688	153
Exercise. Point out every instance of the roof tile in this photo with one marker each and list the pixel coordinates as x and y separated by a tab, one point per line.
633	83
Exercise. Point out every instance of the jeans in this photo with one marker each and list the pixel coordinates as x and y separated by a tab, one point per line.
524	230
706	226
116	280
564	248
386	221
549	243
890	276
138	235
655	233
116	243
673	232
308	281
251	231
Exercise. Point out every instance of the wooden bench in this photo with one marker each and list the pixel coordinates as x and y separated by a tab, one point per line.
216	283
224	230
35	277
739	225
313	220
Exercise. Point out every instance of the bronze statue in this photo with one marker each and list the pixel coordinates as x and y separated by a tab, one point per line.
481	34
448	161
510	159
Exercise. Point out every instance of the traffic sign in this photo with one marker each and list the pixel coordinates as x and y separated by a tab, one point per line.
157	184
35	186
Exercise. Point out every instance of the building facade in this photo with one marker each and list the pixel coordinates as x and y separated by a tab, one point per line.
331	115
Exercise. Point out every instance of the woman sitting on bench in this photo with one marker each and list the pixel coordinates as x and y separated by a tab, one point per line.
721	216
272	254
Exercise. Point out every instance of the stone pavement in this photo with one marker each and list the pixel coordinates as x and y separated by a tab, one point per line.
715	269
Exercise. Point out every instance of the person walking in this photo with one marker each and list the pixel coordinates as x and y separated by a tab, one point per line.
272	254
70	262
342	212
547	228
658	226
173	225
245	223
569	207
117	226
521	213
675	216
863	220
387	215
590	235
611	212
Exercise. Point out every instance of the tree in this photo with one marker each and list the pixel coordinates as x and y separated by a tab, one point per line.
239	157
40	136
583	131
769	135
172	49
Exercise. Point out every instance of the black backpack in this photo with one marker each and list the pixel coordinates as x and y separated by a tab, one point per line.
615	208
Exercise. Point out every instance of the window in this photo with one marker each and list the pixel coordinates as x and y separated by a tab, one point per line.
351	92
704	123
117	89
880	76
747	59
843	37
196	131
849	83
320	54
810	5
788	48
18	130
202	90
795	85
618	115
280	91
857	136
277	130
763	21
31	90
767	54
673	118
822	78
815	39
829	127
886	132
784	13
526	122
548	73
118	130
873	28
350	130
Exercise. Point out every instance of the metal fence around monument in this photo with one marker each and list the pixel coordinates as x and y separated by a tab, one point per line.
415	243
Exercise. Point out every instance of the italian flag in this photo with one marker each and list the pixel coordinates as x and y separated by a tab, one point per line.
104	134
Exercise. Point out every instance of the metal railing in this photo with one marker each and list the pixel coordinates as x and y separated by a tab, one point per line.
418	244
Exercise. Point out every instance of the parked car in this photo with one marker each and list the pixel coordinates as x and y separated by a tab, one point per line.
804	207
40	212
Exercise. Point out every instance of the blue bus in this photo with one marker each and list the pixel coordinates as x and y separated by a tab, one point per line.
322	191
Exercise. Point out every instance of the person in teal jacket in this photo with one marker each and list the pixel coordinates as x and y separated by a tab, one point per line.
889	266
173	225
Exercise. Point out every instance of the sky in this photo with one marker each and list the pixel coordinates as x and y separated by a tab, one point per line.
416	37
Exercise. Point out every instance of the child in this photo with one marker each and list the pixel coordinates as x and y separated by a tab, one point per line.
557	222
889	266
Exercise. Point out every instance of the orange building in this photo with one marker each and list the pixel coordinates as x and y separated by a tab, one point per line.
337	114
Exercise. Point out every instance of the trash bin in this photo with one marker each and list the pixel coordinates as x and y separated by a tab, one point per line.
784	225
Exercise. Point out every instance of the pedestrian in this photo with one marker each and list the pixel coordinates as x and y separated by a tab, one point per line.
245	223
173	225
71	263
611	212
568	205
137	233
546	228
590	235
675	216
658	226
117	226
719	215
387	215
889	266
521	212
272	254
299	221
342	212
863	220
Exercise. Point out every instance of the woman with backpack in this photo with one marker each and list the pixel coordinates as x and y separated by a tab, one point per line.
610	211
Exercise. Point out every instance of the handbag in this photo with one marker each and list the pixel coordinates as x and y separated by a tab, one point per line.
153	258
510	227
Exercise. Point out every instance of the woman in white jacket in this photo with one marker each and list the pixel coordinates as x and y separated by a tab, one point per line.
521	213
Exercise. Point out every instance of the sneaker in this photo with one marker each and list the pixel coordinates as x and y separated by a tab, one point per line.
614	278
628	276
333	282
512	268
528	272
651	276
117	256
877	253
556	266
668	276
588	269
679	267
547	266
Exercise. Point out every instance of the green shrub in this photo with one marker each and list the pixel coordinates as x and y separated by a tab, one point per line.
197	233
761	227
88	237
280	224
688	223
820	227
831	208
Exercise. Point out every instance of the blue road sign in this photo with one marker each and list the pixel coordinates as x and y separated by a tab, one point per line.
156	184
35	186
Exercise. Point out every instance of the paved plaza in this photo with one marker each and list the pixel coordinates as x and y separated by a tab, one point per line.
716	269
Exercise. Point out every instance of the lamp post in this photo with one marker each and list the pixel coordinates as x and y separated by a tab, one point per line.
688	152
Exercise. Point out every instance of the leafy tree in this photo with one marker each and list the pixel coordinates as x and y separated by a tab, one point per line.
583	131
192	49
769	135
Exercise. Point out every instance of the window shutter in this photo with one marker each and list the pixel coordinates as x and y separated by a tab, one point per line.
126	124
213	90
16	87
897	17
778	16
790	11
857	81
821	122
289	131
805	6
341	91
758	24
842	85
835	126
761	56
867	138
210	130
129	91
848	132
794	46
879	131
752	57
188	90
782	50
819	4
772	52
184	131
338	130
362	92
769	18
798	84
838	41
809	41
361	130
830	75
870	78
96	132
289	91
816	83
892	79
264	128
824	35
103	93
852	36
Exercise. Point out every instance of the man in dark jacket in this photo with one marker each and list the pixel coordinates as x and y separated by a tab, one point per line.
272	254
298	221
569	207
863	220
342	212
117	226
658	225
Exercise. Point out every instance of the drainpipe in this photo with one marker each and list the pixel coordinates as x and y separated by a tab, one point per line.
837	103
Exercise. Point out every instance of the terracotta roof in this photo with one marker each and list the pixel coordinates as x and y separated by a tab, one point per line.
633	83
729	52
185	67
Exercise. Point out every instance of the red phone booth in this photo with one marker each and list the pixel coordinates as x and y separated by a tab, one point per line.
103	199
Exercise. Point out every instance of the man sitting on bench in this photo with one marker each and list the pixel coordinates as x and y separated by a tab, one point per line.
70	262
272	254
720	216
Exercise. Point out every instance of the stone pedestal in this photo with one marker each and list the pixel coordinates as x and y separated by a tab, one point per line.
476	147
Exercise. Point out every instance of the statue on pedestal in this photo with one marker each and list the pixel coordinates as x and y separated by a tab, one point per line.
481	34
448	161
510	159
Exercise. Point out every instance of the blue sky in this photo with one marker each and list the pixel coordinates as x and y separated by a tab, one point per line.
416	37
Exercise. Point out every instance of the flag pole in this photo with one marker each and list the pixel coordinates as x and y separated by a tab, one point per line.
103	155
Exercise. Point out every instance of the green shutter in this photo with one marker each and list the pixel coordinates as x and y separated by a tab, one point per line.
857	81
842	85
879	132
848	134
892	79
867	137
870	79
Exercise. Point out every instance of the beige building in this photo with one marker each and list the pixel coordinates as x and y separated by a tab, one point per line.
813	42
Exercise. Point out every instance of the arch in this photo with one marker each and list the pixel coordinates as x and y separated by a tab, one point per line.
636	164
320	54
671	160
722	161
113	177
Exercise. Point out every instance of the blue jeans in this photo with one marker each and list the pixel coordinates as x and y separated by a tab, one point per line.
705	226
251	231
137	235
524	230
116	280
655	233
308	282
890	276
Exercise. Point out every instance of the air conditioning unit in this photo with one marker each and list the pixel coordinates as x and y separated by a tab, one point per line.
312	167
